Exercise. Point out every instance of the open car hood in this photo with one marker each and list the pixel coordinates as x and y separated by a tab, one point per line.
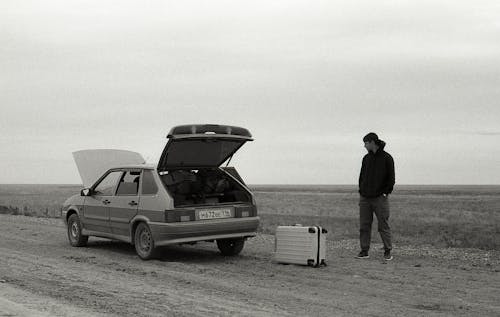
201	146
93	163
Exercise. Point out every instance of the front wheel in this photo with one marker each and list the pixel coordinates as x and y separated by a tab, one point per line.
75	236
231	246
143	241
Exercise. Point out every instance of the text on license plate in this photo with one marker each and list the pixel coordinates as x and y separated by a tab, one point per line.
214	213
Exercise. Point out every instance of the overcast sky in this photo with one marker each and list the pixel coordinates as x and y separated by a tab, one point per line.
308	78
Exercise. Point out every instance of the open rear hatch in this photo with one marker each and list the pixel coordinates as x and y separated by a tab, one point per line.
201	146
189	165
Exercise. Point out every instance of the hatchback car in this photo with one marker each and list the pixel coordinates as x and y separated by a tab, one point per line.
187	197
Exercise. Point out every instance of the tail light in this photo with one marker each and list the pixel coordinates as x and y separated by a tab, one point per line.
180	215
245	211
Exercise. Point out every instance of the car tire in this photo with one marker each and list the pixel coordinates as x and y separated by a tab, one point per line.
75	236
231	246
143	242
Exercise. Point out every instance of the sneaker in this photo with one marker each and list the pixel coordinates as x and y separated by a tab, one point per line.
387	255
363	255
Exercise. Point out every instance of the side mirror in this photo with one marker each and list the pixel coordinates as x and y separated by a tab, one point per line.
86	192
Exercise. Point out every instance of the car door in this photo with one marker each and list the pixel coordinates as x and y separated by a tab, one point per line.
123	206
96	208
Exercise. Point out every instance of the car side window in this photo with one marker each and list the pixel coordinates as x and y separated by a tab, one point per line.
149	186
129	183
107	185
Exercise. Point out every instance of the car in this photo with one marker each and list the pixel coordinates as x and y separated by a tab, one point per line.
186	198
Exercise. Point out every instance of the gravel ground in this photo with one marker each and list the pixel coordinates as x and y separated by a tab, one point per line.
41	275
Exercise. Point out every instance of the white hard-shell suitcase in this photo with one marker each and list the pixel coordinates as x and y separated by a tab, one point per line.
300	245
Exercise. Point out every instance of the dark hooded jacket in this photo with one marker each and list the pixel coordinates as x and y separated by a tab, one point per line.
377	173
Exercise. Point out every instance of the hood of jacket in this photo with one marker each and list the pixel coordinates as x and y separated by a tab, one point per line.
381	145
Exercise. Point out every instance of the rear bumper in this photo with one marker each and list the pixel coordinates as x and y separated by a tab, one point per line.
180	232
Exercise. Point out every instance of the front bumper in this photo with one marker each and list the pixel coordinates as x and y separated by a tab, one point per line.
181	232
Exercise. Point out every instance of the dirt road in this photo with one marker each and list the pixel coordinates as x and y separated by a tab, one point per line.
41	275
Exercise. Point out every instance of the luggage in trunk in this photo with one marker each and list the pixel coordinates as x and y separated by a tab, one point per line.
300	245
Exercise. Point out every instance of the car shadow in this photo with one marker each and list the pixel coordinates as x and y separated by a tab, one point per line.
202	252
111	246
198	253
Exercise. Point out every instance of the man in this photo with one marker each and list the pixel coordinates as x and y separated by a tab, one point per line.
376	181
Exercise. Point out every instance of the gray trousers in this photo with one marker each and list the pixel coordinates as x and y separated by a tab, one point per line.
380	207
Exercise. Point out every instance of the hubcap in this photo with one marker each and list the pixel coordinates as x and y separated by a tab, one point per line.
144	241
74	230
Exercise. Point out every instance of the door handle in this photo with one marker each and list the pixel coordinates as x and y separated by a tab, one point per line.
105	201
132	203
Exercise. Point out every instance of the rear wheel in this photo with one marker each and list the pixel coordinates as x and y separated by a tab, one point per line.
143	241
231	246
75	236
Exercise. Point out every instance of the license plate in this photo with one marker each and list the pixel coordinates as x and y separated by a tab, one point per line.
214	213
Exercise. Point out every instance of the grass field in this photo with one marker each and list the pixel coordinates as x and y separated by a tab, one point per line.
445	216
